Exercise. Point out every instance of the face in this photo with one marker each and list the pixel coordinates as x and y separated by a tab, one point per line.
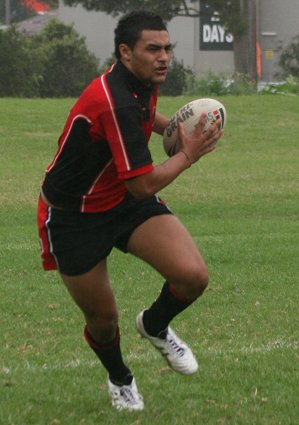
149	59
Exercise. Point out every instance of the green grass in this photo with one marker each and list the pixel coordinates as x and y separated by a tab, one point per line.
240	204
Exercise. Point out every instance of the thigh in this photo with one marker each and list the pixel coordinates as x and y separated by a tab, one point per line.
92	292
164	243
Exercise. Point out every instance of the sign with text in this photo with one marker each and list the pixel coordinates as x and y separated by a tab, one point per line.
213	35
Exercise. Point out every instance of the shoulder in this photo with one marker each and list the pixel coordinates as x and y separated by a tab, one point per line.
117	88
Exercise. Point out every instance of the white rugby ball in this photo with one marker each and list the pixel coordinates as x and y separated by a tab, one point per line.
189	114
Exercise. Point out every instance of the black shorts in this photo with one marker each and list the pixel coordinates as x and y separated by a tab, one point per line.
74	242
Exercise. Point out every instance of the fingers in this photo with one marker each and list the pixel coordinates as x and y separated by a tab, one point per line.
202	122
200	141
181	130
212	141
200	128
215	126
212	128
209	135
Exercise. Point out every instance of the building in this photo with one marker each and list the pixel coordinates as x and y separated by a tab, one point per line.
37	23
201	43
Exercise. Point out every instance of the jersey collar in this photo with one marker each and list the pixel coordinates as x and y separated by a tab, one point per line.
135	84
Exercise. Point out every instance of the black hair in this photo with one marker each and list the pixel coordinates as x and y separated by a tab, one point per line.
129	28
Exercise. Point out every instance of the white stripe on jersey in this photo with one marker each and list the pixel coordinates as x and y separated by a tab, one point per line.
82	208
65	139
106	89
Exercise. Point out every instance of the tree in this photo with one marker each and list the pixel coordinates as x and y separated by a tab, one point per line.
238	17
52	63
20	66
289	59
68	67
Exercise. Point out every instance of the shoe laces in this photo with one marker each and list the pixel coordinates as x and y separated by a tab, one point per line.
175	346
127	394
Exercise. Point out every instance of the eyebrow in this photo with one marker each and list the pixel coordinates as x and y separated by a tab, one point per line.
168	46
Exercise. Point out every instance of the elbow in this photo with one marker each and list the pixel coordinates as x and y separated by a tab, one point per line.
141	193
140	188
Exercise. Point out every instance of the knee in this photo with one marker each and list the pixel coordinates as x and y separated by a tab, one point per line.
194	281
198	280
102	326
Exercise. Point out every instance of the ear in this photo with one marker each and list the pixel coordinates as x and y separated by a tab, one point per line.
125	52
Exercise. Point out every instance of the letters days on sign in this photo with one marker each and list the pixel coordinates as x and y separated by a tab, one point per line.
213	35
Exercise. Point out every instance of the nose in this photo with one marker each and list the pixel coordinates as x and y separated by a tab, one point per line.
165	55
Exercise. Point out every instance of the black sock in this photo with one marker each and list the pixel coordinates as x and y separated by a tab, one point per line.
111	358
168	305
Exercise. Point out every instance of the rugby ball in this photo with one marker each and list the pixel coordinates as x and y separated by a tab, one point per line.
189	114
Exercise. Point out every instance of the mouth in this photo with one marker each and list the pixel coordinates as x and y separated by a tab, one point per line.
162	70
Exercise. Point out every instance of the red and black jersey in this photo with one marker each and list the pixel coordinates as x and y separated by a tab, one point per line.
104	142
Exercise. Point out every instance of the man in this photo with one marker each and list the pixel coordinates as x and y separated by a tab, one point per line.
99	192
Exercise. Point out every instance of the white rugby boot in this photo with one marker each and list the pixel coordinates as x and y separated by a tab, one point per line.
125	397
177	353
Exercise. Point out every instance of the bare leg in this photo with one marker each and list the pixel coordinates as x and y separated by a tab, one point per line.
94	296
165	244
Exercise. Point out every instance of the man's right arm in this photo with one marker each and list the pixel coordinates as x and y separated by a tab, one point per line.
192	147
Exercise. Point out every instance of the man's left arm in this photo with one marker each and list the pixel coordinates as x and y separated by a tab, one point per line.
160	123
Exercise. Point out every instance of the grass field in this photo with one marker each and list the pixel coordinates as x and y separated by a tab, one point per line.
241	205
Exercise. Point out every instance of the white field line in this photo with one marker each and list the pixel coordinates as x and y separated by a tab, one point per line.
251	349
147	357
